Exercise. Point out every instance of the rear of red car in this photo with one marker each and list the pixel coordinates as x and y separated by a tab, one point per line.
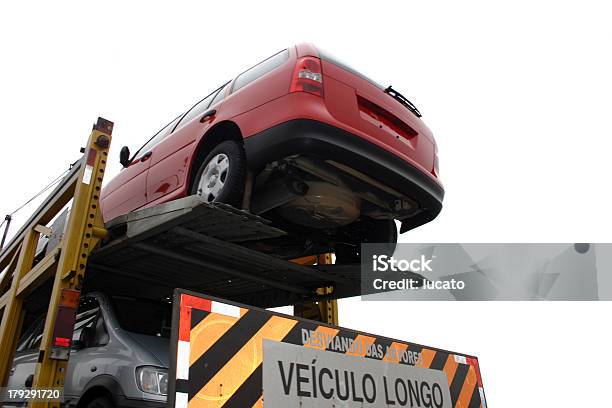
364	105
367	133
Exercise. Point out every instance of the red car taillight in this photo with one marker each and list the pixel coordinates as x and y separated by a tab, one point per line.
307	76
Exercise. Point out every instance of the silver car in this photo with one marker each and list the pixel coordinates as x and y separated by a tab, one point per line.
119	356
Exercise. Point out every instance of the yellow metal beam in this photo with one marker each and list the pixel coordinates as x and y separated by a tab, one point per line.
65	264
82	234
4	300
48	210
325	311
39	274
8	272
12	314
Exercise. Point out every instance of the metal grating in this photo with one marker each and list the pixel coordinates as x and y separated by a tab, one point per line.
197	246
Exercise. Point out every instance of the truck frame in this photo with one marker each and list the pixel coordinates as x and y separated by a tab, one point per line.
184	243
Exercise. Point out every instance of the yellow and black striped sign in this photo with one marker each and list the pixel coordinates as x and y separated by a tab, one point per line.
218	356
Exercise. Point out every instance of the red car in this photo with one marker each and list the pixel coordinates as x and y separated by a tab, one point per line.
302	139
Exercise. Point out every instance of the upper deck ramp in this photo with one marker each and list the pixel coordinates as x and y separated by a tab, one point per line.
202	246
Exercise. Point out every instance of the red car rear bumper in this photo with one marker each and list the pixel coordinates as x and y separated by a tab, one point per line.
327	142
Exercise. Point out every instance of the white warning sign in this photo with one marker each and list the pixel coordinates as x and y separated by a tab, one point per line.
302	377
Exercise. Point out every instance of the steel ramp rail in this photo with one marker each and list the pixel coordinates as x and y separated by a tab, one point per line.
190	243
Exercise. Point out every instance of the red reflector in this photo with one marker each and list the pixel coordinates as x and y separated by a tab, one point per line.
307	76
65	318
70	298
62	342
91	157
474	362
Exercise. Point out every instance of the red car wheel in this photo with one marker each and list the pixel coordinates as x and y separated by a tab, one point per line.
222	174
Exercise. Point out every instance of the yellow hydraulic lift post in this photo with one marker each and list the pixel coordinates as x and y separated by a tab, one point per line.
325	311
66	265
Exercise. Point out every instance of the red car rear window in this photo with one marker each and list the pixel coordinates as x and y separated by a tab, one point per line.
324	55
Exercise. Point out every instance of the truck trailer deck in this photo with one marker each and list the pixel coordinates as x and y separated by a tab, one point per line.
203	246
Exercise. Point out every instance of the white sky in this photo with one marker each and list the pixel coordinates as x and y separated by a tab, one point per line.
517	94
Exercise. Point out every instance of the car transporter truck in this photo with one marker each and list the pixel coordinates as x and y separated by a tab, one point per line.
166	306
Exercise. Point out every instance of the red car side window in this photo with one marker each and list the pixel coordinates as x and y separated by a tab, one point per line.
200	107
260	69
158	137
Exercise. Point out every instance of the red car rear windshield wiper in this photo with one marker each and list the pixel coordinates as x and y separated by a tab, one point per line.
403	100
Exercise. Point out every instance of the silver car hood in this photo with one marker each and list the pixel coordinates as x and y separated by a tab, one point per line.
159	347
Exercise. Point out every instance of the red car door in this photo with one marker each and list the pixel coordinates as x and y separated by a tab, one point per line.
170	159
128	190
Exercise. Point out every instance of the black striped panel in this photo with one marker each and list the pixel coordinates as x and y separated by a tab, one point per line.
475	400
413	348
220	353
197	316
248	393
439	361
295	334
385	343
342	334
458	381
182	386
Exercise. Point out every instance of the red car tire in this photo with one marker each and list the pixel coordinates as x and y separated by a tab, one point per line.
222	174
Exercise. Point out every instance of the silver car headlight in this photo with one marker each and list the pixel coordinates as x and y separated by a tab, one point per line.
152	379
